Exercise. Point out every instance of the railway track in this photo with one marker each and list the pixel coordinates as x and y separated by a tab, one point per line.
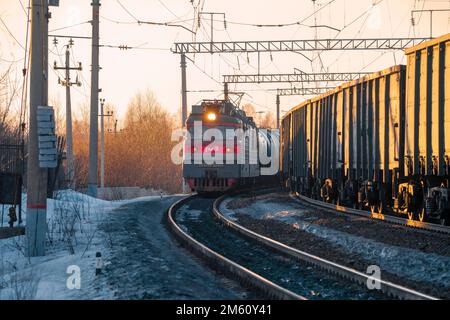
279	271
373	215
215	258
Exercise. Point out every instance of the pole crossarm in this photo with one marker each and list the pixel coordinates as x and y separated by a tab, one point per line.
302	91
296	45
293	77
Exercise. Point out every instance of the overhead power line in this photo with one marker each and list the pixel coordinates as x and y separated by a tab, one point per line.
279	25
70	26
165	24
10	33
127	47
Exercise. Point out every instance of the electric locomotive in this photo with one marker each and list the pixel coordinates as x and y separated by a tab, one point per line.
222	147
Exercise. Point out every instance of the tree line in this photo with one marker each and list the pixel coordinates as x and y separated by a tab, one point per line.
137	151
136	154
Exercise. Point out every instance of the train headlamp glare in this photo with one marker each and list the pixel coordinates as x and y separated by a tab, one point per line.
211	116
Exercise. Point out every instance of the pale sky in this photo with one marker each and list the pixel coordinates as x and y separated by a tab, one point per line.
126	72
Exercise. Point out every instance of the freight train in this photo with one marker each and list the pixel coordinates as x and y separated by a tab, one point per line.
379	143
228	155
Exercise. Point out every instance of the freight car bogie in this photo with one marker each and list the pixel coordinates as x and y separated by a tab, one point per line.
437	203
424	198
410	199
364	195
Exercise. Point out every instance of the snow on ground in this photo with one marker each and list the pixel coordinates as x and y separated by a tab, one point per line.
142	261
147	263
420	266
72	240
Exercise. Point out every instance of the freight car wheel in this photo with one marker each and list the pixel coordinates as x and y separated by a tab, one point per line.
443	221
410	215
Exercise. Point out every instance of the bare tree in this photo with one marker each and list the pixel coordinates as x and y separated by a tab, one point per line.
9	95
250	110
264	119
268	121
139	153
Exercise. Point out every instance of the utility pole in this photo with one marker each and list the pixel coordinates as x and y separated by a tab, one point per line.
36	220
278	111
93	126
102	141
225	91
183	91
183	106
67	83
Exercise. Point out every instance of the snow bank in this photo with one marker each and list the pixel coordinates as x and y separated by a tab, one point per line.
72	240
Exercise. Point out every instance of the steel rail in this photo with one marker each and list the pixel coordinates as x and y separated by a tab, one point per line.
374	215
225	264
387	287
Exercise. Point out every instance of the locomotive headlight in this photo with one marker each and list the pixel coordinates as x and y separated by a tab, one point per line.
211	116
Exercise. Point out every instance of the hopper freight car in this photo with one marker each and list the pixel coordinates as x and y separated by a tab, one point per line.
381	142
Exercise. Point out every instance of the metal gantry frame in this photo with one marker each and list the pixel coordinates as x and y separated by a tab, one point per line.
293	77
184	48
296	45
302	91
297	77
281	92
